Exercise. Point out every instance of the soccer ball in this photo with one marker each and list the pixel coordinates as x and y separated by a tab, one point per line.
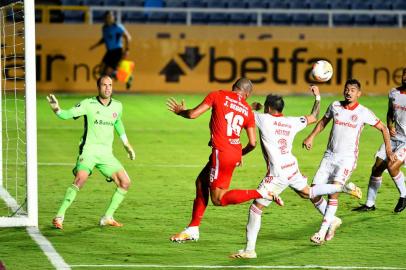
322	71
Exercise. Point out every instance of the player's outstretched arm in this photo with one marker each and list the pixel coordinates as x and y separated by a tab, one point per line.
180	108
53	102
314	115
386	138
308	142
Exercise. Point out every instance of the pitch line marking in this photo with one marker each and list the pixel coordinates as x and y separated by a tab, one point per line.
140	165
46	246
237	266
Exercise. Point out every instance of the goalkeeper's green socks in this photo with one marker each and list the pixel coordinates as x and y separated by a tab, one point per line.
67	201
115	202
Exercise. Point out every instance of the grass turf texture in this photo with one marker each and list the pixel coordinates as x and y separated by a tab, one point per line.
170	153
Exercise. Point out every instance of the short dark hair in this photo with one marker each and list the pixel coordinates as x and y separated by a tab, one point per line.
243	84
275	102
353	82
100	79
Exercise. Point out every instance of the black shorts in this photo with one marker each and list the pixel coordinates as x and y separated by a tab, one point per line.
113	57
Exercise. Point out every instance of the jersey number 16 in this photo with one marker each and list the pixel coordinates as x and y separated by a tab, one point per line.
234	123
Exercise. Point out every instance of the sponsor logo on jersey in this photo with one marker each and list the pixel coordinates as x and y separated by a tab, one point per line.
399	107
346	124
234	141
103	123
280	124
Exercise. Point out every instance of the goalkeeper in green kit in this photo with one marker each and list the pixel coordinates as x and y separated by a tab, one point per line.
102	115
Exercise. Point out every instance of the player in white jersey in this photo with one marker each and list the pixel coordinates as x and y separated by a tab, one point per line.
340	158
277	135
396	122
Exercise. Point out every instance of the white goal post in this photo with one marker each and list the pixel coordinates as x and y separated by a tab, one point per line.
18	170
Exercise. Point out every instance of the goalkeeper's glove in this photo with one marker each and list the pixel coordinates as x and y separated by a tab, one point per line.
130	151
53	102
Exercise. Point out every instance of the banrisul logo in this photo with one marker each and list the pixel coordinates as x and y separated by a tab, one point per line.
103	123
172	71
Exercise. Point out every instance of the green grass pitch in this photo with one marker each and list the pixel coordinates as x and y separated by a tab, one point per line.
170	153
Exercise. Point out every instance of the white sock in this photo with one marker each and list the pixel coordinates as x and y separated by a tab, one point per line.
400	184
373	186
328	216
253	226
321	205
324	189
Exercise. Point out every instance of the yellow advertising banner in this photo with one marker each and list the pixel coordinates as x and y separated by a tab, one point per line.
173	59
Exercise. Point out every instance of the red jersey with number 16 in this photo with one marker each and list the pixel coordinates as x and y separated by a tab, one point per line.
230	113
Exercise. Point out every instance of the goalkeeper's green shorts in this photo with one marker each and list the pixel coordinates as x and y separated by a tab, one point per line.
107	164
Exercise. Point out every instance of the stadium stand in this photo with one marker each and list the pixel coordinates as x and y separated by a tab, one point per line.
315	12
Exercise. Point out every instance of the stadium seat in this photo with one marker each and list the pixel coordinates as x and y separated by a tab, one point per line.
342	19
339	5
199	18
386	20
363	20
133	3
399	5
195	4
236	4
72	2
360	5
98	16
114	3
259	4
216	4
174	4
277	4
157	17
218	18
94	2
381	5
302	19
318	4
133	17
153	3
242	18
177	17
320	19
276	19
73	16
298	4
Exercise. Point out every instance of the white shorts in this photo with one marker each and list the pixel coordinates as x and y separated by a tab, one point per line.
334	169
398	147
278	184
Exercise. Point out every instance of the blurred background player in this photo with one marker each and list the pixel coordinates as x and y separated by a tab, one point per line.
340	158
102	115
230	114
113	34
277	135
396	122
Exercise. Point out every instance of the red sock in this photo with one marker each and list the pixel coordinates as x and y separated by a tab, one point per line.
237	196
199	206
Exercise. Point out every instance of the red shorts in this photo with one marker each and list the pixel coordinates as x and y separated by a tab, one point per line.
222	165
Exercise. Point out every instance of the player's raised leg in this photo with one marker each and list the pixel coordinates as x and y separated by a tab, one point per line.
70	195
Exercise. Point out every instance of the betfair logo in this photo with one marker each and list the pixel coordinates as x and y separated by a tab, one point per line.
103	123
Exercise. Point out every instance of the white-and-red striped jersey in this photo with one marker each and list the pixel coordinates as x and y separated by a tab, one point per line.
277	135
398	100
348	123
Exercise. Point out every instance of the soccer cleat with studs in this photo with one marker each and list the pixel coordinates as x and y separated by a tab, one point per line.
364	208
188	234
401	205
109	221
353	190
317	239
332	229
58	223
244	254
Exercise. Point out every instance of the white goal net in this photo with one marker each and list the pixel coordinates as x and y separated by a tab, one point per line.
18	177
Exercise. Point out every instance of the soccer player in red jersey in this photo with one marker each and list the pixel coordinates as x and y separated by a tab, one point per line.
230	114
